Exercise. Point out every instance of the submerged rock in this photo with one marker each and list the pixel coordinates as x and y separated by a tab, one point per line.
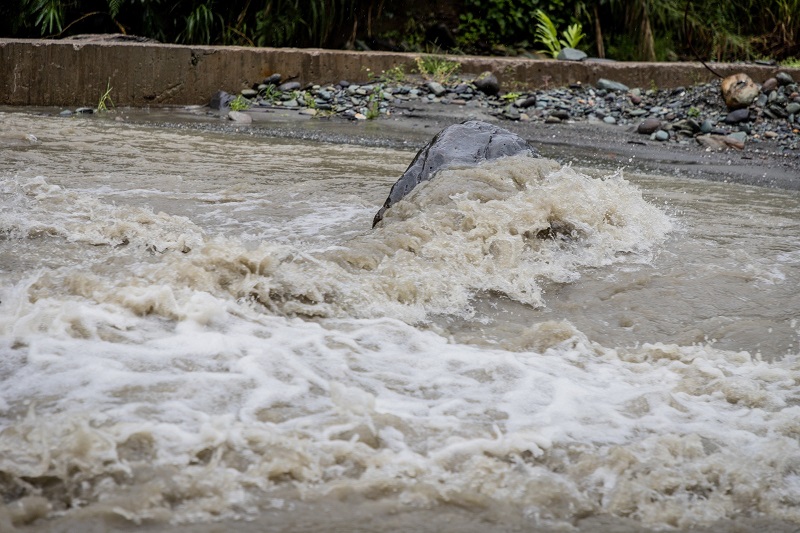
466	144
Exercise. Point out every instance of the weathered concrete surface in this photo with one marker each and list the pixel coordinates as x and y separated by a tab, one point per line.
75	72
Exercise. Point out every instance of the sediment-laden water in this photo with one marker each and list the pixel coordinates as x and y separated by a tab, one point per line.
197	328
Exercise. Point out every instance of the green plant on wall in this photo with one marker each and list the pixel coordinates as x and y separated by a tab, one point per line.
437	68
105	99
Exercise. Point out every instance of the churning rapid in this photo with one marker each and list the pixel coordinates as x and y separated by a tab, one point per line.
197	328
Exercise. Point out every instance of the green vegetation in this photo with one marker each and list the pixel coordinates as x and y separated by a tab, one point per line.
105	99
373	109
621	29
240	103
437	68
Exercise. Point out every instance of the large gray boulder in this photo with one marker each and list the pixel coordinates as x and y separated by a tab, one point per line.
460	145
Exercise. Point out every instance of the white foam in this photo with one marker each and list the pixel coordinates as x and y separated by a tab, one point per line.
186	383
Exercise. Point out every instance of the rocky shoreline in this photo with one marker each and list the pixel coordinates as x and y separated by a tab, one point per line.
682	115
688	132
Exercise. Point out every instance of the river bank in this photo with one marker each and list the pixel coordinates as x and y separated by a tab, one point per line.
764	164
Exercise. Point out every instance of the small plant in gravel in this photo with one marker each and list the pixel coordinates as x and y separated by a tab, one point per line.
437	68
372	107
105	99
271	93
693	112
510	97
396	74
240	103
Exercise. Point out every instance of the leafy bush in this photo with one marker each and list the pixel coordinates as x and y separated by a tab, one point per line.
501	21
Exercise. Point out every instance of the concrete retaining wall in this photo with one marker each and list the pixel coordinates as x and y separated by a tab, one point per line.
76	72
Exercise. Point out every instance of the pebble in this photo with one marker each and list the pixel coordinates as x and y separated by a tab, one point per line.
289	86
738	136
679	114
571	54
649	126
661	135
239	117
487	84
436	88
610	85
272	79
784	78
737	116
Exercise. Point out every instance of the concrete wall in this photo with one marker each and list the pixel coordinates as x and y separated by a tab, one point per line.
75	72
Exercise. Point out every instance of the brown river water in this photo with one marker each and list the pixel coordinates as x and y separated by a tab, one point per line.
201	332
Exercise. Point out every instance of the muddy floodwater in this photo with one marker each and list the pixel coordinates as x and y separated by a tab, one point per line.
201	332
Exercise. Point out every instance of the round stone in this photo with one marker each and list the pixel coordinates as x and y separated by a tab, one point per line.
648	126
661	135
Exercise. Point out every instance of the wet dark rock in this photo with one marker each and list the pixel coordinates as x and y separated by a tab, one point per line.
465	144
249	93
693	125
289	86
793	108
610	85
648	126
527	102
571	54
737	116
778	111
344	84
560	114
784	78
487	84
770	85
220	100
84	110
272	79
